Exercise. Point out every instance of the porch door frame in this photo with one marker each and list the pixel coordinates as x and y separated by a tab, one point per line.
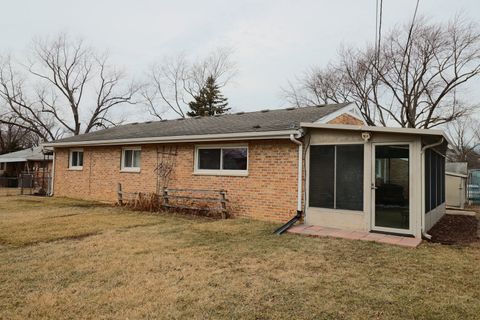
373	227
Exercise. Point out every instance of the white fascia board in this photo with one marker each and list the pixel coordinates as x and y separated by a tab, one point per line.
284	134
423	132
432	132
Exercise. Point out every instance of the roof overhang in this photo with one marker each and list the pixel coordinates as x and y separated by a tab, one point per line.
411	131
8	160
284	134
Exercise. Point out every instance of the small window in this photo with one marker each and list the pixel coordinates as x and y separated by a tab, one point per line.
221	160
2	166
76	159
131	159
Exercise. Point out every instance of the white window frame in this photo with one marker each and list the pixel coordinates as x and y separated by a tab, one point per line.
122	161
220	172
70	158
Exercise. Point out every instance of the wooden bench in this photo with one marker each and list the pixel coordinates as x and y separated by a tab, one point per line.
193	199
187	199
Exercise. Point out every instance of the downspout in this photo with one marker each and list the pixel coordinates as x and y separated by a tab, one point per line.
300	171
424	232
298	216
52	178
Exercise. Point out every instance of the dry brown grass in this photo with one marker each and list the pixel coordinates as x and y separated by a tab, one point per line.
14	191
69	259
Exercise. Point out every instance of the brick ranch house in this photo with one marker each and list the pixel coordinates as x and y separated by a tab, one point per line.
323	161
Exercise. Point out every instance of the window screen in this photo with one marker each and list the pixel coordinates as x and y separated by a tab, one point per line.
428	170
322	176
349	177
434	180
336	177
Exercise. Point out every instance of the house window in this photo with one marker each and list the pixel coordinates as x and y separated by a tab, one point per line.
2	166
131	159
76	159
434	180
336	177
221	160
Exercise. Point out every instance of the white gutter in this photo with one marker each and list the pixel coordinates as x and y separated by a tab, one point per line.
300	171
283	134
424	232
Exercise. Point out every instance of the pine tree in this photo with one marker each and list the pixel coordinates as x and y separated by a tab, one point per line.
209	101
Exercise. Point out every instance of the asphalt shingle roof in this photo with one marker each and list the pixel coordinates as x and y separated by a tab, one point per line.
34	153
258	121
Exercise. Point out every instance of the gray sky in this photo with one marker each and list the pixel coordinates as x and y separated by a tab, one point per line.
272	40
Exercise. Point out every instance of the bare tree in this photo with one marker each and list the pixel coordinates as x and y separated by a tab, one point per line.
410	80
71	89
14	138
175	81
19	109
465	136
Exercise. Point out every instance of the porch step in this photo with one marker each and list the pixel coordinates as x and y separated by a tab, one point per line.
317	231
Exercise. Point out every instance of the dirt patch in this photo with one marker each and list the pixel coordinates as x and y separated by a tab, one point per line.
455	229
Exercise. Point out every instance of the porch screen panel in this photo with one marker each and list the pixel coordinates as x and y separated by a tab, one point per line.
443	180
428	170
434	180
322	169
349	177
439	179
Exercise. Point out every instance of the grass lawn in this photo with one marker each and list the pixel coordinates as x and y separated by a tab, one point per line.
63	258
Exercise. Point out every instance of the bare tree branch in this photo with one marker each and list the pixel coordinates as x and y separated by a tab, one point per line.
71	89
410	81
175	81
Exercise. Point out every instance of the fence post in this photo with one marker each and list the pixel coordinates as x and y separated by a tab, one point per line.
20	180
120	194
223	201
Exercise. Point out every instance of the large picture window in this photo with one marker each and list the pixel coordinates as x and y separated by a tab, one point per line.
131	159
221	160
434	180
336	177
76	159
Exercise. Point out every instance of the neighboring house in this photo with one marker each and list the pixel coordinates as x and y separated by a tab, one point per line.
456	174
321	160
31	160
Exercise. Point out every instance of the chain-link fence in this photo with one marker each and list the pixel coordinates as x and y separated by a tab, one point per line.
26	184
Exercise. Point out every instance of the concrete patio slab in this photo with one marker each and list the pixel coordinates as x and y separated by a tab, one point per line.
317	231
456	212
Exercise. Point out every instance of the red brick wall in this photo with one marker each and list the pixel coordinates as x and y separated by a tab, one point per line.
268	192
346	119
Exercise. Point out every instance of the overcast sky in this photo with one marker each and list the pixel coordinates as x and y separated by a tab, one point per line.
272	40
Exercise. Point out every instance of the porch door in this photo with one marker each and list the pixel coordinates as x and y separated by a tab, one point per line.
391	188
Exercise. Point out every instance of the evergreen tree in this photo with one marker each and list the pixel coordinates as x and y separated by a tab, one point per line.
209	101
